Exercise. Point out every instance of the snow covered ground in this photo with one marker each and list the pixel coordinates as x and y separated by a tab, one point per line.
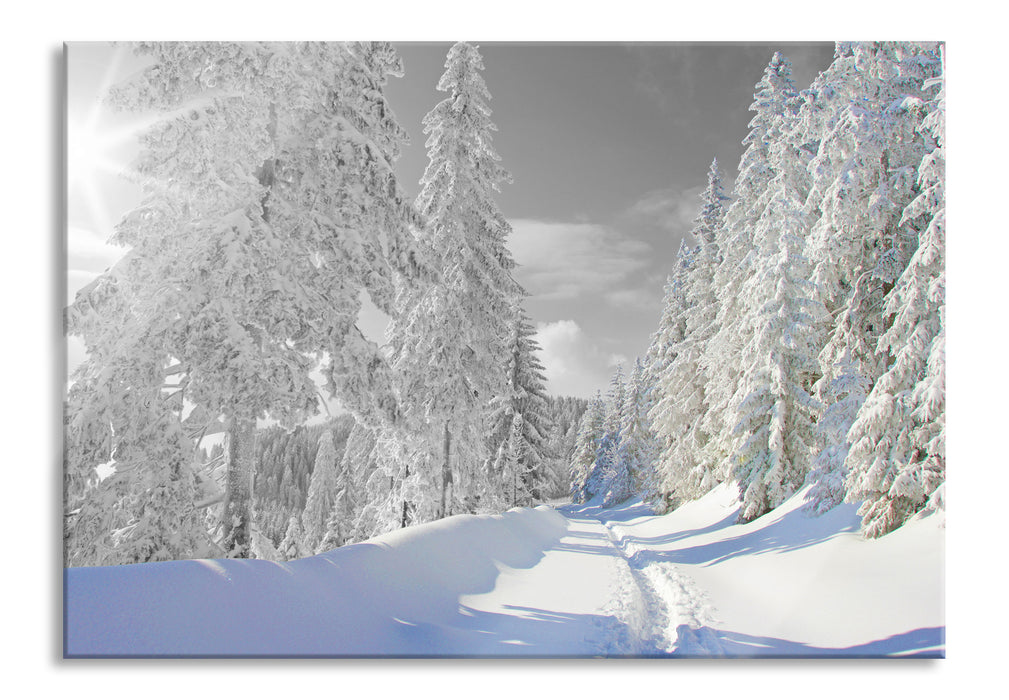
567	581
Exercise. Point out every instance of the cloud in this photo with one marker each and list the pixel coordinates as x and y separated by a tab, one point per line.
566	260
574	364
639	297
669	209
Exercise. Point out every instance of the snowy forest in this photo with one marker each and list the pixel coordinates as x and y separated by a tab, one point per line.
800	343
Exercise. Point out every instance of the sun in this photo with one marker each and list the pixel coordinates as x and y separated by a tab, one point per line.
100	143
90	152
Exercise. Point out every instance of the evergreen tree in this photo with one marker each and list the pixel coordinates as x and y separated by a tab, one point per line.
590	433
449	340
682	384
293	545
897	458
336	528
776	415
863	179
662	354
566	413
322	493
844	396
615	403
606	465
145	510
522	408
634	462
774	97
269	204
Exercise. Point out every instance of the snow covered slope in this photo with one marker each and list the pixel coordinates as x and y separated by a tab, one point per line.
790	585
572	581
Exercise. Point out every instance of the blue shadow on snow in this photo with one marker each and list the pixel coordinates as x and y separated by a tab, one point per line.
925	643
791	531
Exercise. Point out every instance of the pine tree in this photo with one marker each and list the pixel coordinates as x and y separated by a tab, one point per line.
270	204
335	533
774	97
449	340
145	510
844	396
662	353
615	403
606	465
293	545
682	384
897	458
522	408
638	448
322	493
590	433
775	417
863	179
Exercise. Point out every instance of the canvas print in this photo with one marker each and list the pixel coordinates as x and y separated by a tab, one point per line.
641	357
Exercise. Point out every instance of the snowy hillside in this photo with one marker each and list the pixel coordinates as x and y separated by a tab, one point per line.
570	581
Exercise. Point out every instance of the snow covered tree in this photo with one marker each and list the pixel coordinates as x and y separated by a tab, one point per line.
520	416
615	403
665	348
270	204
632	467
449	340
511	469
606	464
682	405
775	417
774	97
342	522
145	509
566	413
590	433
336	531
322	492
672	330
897	458
867	107
844	396
293	545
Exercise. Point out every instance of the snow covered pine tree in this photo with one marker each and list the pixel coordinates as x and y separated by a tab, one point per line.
269	205
449	341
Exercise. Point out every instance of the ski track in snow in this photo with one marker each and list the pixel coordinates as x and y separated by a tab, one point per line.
662	610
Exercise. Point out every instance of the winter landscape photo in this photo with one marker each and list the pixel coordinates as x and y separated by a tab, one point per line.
491	349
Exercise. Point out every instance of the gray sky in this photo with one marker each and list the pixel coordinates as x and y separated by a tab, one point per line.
608	145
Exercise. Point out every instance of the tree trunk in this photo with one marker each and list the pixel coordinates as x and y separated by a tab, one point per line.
406	505
446	473
236	515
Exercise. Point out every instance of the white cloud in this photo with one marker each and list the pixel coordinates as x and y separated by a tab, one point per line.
574	365
673	210
566	260
637	298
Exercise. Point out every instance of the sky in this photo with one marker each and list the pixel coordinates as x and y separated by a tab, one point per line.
608	145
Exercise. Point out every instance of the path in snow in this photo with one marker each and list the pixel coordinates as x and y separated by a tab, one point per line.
611	602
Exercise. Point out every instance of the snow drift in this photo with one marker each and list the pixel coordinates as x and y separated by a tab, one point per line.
397	594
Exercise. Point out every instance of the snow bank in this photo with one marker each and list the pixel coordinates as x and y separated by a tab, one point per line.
395	595
787	584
